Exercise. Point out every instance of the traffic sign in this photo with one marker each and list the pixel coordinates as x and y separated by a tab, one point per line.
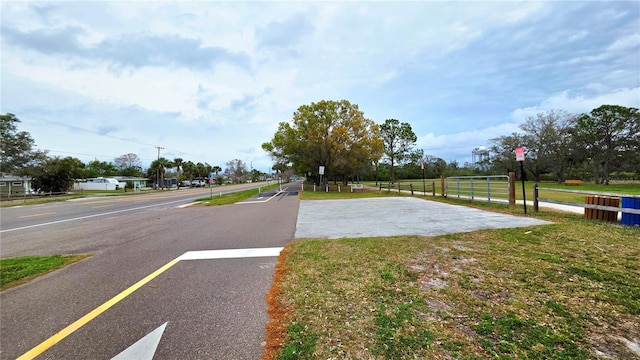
520	154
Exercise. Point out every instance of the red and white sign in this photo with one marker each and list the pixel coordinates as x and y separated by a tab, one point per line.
520	154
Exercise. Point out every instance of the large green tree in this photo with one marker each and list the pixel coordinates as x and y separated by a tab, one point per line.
398	139
610	136
332	134
57	174
98	168
17	153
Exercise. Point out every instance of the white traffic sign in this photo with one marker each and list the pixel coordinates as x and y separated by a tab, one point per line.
520	154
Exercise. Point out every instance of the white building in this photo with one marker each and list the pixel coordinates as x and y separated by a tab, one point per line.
99	183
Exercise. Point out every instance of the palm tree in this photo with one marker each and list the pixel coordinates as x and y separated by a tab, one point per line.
163	164
177	163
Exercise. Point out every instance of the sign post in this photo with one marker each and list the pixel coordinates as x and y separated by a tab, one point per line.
520	159
424	186
321	172
211	184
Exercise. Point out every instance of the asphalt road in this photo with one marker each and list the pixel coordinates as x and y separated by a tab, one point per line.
203	305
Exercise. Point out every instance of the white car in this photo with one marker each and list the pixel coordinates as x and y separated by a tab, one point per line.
197	183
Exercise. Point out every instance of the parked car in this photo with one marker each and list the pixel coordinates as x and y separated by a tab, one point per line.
197	183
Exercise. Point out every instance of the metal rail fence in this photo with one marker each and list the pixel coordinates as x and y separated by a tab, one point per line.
598	205
483	188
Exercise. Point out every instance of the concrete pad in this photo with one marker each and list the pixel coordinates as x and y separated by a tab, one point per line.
396	216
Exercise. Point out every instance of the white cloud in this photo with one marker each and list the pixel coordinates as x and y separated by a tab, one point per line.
211	80
581	103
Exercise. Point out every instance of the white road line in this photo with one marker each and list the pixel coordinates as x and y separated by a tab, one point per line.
230	253
91	216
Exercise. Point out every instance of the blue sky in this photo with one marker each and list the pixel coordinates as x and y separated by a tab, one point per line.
210	81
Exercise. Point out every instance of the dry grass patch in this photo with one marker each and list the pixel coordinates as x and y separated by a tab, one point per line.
564	291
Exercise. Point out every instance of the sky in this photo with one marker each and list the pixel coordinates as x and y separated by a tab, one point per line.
209	81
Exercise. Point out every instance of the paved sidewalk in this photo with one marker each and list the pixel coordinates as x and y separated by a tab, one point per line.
396	216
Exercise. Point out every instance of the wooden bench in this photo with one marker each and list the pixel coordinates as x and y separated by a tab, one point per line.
357	187
573	182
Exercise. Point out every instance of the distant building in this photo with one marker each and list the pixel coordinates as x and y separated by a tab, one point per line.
480	157
99	183
14	186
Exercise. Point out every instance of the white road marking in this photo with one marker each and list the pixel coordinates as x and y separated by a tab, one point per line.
145	348
156	334
230	253
91	216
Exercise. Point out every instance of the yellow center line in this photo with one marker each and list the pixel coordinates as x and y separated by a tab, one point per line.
34	215
45	345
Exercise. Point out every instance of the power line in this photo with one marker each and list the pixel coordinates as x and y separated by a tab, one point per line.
74	127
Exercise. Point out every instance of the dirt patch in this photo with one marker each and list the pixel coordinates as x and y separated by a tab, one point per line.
276	326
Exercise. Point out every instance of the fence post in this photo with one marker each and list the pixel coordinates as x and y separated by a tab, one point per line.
488	189
433	188
443	190
471	188
398	187
535	197
512	188
411	187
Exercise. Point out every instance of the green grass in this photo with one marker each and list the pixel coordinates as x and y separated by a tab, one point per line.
332	195
557	291
233	197
16	271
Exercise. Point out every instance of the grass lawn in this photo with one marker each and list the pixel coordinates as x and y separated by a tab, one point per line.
16	271
570	290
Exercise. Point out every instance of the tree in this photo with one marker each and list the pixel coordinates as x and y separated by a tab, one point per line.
333	134
99	168
398	139
547	142
177	163
237	170
434	166
189	170
504	148
17	153
216	169
157	169
610	134
57	174
128	164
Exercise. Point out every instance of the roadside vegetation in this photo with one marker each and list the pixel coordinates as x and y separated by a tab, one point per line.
570	290
16	271
219	198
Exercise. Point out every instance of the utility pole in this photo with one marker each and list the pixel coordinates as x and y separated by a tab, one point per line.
158	168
